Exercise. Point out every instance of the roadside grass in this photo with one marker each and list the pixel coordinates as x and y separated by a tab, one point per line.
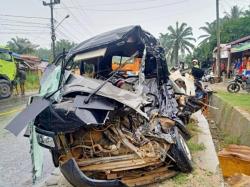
199	176
192	144
222	139
193	127
181	179
195	147
32	81
227	139
231	140
241	100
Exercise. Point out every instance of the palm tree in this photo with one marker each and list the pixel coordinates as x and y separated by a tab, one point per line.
178	40
247	12
235	13
63	44
21	45
166	43
210	30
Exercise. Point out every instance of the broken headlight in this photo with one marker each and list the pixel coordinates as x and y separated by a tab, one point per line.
45	138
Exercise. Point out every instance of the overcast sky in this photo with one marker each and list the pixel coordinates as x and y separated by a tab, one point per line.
90	17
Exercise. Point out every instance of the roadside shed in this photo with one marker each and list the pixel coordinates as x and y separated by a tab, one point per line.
234	52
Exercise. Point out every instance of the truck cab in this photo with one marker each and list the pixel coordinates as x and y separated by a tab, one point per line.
8	72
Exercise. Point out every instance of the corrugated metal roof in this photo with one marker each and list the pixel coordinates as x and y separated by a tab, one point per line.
241	47
244	39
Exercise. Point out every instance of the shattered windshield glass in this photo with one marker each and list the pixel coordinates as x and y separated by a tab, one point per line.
131	68
119	60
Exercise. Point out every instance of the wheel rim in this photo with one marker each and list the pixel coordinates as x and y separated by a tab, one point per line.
4	90
233	87
185	147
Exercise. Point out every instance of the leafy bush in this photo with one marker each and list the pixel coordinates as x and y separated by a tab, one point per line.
32	81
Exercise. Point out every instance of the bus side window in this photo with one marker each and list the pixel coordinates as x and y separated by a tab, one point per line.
82	68
76	69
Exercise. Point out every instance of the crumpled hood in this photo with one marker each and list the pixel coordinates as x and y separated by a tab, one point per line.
78	83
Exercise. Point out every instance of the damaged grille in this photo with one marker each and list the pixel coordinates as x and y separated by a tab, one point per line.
125	147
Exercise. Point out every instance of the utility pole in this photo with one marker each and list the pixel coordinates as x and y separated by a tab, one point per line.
217	70
53	35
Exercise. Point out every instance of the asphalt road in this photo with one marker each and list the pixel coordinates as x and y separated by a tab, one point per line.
15	161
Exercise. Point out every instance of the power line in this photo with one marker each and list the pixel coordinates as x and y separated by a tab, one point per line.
51	4
69	33
69	36
130	9
20	25
25	22
121	3
14	29
82	12
43	37
63	35
18	16
71	13
30	33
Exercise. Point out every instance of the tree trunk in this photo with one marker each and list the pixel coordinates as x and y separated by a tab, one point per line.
176	55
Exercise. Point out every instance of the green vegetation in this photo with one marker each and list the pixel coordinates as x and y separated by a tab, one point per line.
195	147
21	45
234	25
177	39
181	179
230	139
24	46
63	44
193	128
226	139
32	81
239	100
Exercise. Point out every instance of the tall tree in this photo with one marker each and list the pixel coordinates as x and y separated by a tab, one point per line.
235	29
247	12
166	43
234	25
21	45
210	32
43	53
63	44
179	39
235	13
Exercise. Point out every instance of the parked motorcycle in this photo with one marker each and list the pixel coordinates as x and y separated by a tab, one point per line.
208	76
240	81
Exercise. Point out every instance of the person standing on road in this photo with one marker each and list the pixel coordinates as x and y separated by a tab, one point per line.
22	79
15	84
